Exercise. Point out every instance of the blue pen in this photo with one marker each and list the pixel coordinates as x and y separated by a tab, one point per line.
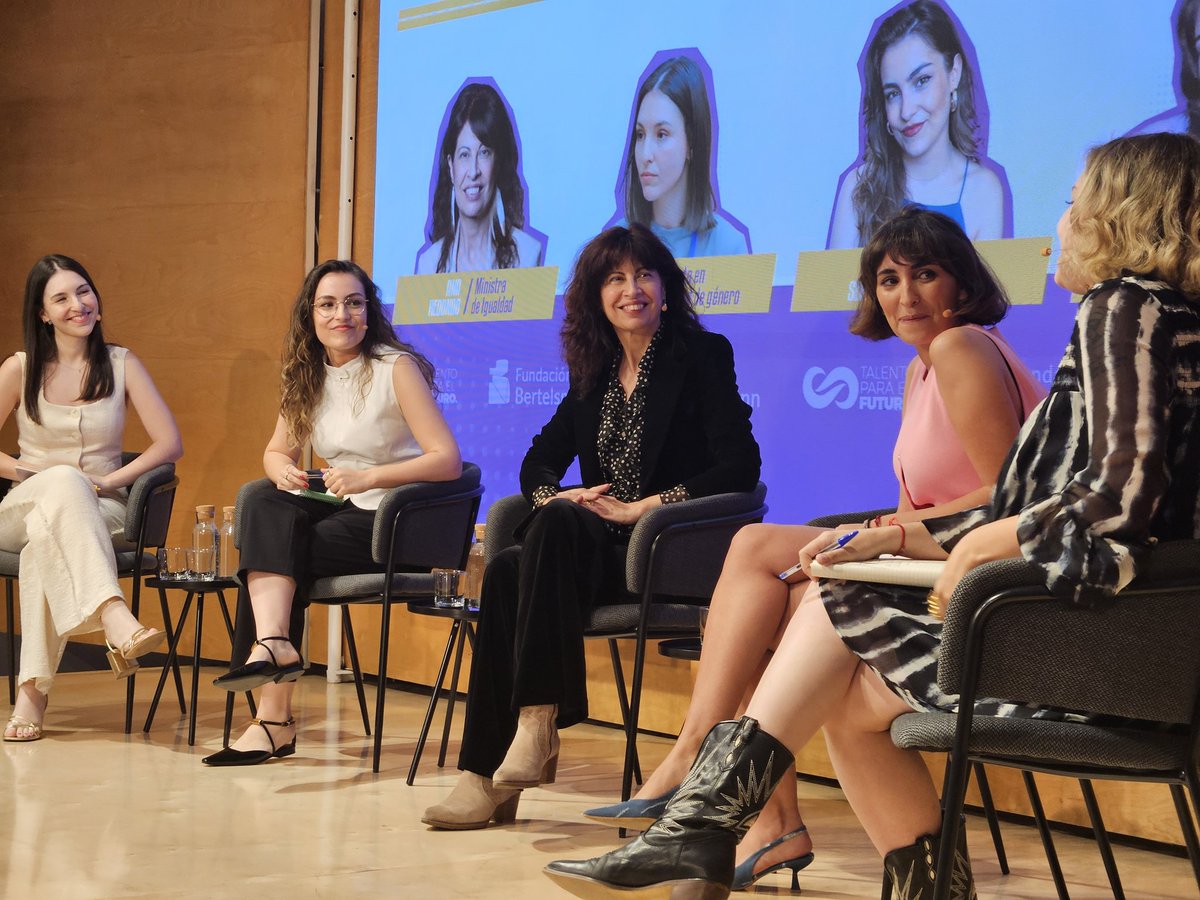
836	545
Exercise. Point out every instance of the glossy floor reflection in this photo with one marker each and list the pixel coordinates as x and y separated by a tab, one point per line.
89	812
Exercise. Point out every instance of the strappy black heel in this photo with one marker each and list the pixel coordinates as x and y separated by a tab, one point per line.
260	671
230	757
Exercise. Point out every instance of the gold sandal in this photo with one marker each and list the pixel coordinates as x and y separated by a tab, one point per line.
15	722
124	661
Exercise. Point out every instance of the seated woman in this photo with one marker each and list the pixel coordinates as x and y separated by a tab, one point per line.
654	416
67	503
1106	464
365	401
924	282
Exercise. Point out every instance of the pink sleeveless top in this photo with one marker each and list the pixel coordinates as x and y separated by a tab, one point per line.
929	460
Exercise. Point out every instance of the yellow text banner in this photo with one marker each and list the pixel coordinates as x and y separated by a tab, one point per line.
731	284
495	295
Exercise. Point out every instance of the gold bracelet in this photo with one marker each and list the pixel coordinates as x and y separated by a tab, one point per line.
936	605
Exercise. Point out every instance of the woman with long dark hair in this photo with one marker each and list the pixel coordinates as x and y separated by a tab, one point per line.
364	399
478	210
654	416
66	507
921	142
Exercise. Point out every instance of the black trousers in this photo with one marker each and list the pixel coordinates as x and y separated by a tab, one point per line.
302	538
536	599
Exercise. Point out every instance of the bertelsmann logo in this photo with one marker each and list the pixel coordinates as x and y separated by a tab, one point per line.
839	386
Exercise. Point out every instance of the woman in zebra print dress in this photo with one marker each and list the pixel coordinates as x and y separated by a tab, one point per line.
1107	463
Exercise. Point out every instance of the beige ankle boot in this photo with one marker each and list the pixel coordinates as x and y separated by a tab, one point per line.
532	759
473	803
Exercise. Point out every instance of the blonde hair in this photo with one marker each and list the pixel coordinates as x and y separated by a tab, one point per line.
1137	210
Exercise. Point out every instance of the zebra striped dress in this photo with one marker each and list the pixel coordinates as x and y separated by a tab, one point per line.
1107	462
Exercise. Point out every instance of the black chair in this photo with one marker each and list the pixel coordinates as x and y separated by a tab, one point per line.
1137	658
147	518
676	550
418	527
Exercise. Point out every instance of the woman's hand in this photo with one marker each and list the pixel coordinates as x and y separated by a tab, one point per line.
104	485
995	540
584	496
341	481
613	510
291	478
867	544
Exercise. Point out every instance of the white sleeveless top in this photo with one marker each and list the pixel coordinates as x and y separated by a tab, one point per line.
358	432
87	437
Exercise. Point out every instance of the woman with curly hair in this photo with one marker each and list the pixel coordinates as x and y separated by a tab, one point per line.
478	202
654	416
365	401
921	134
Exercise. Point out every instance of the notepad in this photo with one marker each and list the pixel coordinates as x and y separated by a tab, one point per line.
885	570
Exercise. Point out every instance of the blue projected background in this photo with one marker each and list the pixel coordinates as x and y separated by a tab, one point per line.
785	94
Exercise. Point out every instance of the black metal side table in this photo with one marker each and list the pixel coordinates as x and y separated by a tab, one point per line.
462	629
196	590
680	648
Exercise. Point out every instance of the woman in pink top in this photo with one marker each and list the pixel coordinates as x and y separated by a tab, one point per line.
923	282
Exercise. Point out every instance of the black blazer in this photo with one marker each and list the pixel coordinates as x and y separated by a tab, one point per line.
696	432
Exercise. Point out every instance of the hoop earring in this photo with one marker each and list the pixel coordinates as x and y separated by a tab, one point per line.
453	211
889	129
500	211
954	100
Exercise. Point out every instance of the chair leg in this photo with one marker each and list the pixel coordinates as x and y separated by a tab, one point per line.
381	694
954	793
453	692
1102	842
1185	823
433	702
989	812
352	647
1039	817
614	653
172	663
173	637
12	642
635	704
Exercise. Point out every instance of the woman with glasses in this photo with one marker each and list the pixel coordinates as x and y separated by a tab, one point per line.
364	399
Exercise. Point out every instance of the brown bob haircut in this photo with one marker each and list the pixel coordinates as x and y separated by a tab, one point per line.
917	236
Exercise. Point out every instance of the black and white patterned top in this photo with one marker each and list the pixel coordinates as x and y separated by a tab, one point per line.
1106	464
619	439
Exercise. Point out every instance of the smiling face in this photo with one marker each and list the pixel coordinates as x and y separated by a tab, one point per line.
340	316
631	296
915	298
916	93
69	304
471	166
660	148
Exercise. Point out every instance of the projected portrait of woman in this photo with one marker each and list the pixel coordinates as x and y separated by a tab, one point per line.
1184	118
922	140
477	213
668	181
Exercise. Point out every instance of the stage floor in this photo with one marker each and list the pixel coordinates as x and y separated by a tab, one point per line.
89	812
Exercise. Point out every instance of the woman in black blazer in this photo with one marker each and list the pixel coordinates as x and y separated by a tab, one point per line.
654	416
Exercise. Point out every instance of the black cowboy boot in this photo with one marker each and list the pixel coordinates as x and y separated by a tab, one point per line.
910	870
689	851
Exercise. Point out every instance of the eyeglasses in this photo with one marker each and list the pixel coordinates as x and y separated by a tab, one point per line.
326	308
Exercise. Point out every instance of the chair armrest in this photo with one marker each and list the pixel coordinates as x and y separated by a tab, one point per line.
851	518
687	542
1005	636
428	524
502	520
148	512
245	492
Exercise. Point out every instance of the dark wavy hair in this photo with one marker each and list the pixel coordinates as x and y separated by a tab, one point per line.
1189	62
480	106
40	346
682	82
879	193
918	237
588	339
303	377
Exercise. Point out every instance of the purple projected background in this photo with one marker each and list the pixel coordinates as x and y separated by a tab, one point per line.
785	87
